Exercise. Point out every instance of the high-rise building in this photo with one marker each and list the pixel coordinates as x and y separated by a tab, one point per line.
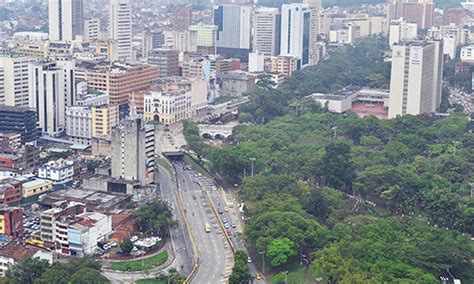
315	8
181	18
51	91
120	28
400	31
296	32
267	23
20	120
234	29
206	34
66	19
183	41
416	78
133	151
167	61
14	78
413	11
91	30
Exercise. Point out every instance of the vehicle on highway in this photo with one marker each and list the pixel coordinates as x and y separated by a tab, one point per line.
207	228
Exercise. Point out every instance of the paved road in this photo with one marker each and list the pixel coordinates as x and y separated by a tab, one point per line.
181	241
222	200
215	256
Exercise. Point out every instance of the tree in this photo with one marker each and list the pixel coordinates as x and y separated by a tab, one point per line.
126	246
86	276
26	271
240	271
281	250
338	169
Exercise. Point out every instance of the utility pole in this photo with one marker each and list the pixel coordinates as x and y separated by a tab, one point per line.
262	253
253	161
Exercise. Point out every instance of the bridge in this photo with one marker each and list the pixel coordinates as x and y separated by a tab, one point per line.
210	131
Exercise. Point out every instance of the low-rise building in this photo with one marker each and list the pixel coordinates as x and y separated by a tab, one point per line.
11	222
32	186
10	192
15	252
86	231
235	84
60	172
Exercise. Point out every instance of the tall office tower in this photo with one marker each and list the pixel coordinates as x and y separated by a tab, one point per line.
416	78
133	151
413	11
400	30
181	18
234	26
315	8
14	75
120	28
167	61
266	39
296	32
48	97
66	19
91	30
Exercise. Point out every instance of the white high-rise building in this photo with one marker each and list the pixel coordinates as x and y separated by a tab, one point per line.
120	28
266	39
52	89
14	76
400	31
296	32
416	78
91	30
66	19
234	27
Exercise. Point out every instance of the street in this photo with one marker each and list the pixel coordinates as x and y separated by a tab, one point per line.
215	256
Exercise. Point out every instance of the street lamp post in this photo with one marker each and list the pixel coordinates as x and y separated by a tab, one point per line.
286	276
262	253
253	161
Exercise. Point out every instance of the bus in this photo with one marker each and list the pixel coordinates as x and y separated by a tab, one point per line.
207	228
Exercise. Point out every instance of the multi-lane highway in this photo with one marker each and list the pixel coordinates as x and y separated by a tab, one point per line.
215	255
184	253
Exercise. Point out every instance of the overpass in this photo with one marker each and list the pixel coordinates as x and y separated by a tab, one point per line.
210	131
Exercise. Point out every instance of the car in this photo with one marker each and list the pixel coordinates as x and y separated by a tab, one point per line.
233	225
249	260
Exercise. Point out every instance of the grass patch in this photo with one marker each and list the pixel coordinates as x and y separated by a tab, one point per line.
164	163
297	275
142	264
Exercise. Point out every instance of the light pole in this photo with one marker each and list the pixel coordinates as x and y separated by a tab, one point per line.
286	276
253	161
262	253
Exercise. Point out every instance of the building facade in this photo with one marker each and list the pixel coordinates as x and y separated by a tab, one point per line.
416	78
296	32
120	27
66	19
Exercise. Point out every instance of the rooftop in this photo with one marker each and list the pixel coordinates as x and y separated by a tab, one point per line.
18	251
